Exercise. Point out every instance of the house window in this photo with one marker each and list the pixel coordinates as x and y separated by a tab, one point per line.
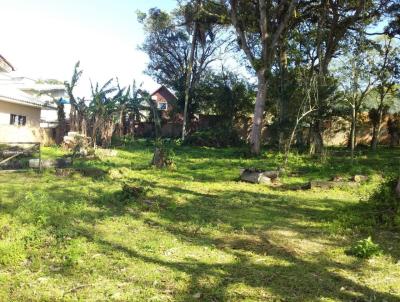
162	106
17	120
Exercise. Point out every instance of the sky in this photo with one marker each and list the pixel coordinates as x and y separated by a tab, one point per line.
43	39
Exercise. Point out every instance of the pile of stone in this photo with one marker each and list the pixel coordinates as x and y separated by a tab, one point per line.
77	143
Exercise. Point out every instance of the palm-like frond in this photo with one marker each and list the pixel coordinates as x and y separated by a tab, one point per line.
74	81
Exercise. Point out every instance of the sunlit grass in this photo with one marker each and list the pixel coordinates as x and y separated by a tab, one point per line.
196	234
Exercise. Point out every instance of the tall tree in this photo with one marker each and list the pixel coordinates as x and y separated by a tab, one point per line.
260	27
168	43
103	111
191	18
386	67
227	95
70	86
329	25
62	125
357	80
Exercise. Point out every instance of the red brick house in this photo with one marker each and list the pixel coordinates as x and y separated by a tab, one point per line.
165	100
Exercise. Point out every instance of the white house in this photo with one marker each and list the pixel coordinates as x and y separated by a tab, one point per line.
48	94
23	105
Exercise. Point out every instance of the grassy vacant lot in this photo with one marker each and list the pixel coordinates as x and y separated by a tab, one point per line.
196	234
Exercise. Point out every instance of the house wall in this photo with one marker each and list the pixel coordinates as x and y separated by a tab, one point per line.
11	133
163	95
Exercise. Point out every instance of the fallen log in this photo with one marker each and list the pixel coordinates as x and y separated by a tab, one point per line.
92	172
320	184
86	172
337	178
64	172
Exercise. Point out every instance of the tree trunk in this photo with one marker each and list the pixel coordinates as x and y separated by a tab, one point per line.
316	140
156	118
353	130
94	131
283	106
121	126
374	141
393	140
84	126
131	125
72	118
62	126
189	79
376	133
256	130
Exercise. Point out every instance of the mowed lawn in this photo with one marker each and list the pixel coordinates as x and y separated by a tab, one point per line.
195	233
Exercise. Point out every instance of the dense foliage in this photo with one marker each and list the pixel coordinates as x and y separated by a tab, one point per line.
310	61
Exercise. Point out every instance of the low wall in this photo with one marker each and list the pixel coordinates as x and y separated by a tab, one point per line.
338	129
171	130
20	134
9	133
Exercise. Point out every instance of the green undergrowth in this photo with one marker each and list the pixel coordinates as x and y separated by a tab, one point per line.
194	232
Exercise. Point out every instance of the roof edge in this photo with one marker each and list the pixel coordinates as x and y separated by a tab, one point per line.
7	62
163	86
23	102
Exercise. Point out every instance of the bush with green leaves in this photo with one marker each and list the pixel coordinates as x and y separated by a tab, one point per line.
365	248
218	138
385	203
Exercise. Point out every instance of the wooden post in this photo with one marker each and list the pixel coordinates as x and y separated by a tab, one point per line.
40	158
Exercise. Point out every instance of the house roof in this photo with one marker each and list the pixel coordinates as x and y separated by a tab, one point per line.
165	88
13	95
44	87
5	65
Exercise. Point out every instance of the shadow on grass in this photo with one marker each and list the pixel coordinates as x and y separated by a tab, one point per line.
245	221
291	276
296	280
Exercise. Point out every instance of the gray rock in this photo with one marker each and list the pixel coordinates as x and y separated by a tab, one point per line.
256	177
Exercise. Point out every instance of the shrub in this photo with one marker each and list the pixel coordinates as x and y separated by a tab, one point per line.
131	191
73	252
365	248
385	203
218	138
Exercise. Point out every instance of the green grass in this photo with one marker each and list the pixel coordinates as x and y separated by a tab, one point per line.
197	234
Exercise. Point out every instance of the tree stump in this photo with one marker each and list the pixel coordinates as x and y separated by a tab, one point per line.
159	158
